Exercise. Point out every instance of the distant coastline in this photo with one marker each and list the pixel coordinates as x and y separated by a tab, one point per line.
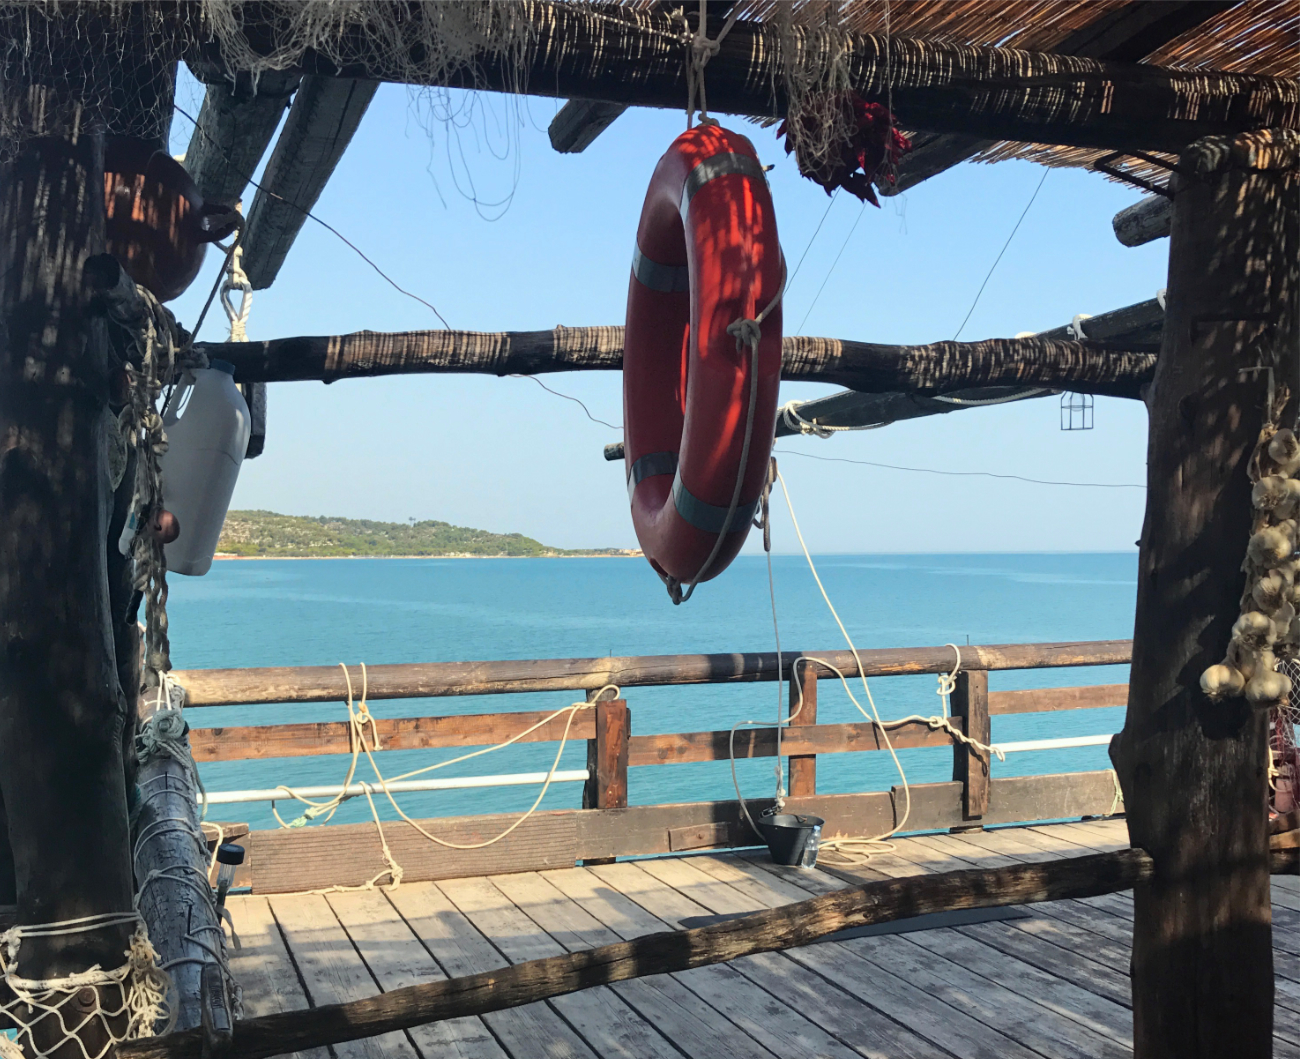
269	535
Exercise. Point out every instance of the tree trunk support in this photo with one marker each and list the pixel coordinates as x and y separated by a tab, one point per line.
1193	771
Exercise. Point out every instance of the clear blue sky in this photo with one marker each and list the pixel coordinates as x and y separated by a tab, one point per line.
504	455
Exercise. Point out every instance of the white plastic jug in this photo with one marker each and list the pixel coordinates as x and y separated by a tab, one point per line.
208	425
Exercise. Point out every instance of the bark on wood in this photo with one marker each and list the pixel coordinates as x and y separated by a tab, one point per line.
1144	221
1084	367
324	115
1128	33
990	92
970	767
61	717
235	126
803	767
228	687
1193	770
1136	325
765	931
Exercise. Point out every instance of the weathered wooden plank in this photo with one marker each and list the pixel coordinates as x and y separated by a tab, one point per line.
1041	700
579	122
1116	370
332	971
1144	221
525	1031
324	115
397	733
235	126
940	86
803	713
241	687
350	854
263	967
396	958
605	1021
764	931
607	757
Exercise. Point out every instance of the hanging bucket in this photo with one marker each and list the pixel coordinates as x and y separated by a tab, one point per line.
791	838
158	225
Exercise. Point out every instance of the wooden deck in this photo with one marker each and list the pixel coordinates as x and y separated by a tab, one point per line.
1052	982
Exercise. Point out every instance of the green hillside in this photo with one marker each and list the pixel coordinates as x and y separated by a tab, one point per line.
264	533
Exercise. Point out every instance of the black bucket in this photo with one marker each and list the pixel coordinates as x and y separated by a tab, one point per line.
792	839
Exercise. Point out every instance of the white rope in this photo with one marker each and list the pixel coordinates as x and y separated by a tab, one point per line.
701	50
948	681
45	1002
358	717
237	280
794	421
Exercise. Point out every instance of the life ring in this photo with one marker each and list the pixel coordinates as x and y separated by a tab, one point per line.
707	258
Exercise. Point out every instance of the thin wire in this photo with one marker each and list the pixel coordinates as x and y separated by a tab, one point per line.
1000	253
557	393
961	474
328	227
811	239
799	330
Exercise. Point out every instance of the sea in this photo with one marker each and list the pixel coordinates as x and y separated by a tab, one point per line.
323	612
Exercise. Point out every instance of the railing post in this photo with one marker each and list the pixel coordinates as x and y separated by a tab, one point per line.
803	768
606	786
970	768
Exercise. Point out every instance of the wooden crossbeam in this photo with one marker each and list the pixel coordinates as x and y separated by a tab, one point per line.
235	126
1084	367
325	114
1144	221
1124	34
580	121
784	927
624	56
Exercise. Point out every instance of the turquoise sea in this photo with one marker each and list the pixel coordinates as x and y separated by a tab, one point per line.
322	612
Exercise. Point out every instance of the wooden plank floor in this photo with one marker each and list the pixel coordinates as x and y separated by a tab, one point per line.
1050	983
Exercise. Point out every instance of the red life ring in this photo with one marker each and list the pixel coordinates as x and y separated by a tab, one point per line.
706	257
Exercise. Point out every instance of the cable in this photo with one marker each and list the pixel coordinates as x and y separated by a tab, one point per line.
328	227
832	269
557	393
961	474
812	238
1000	253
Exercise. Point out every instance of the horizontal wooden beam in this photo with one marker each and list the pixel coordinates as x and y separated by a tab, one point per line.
1145	221
1084	367
1127	33
580	121
1041	700
769	930
620	55
422	733
241	687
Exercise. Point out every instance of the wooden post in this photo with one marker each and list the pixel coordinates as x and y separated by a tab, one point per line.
1192	770
803	767
606	786
970	767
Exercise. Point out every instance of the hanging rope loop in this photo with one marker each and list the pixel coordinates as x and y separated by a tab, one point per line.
948	681
700	49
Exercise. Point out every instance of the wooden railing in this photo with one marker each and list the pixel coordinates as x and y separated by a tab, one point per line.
607	826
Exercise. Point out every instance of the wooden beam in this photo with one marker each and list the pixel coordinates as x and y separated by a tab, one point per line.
1041	700
579	122
970	767
1085	367
1144	221
803	713
325	114
769	930
1202	953
243	687
625	56
235	125
1124	34
1139	325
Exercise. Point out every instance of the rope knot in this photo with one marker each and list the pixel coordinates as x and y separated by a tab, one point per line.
746	332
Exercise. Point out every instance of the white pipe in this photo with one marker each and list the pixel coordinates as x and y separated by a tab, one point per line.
1053	744
281	794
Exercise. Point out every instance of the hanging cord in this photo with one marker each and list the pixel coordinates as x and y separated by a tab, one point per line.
237	280
142	984
851	848
701	49
747	333
948	681
794	421
358	717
